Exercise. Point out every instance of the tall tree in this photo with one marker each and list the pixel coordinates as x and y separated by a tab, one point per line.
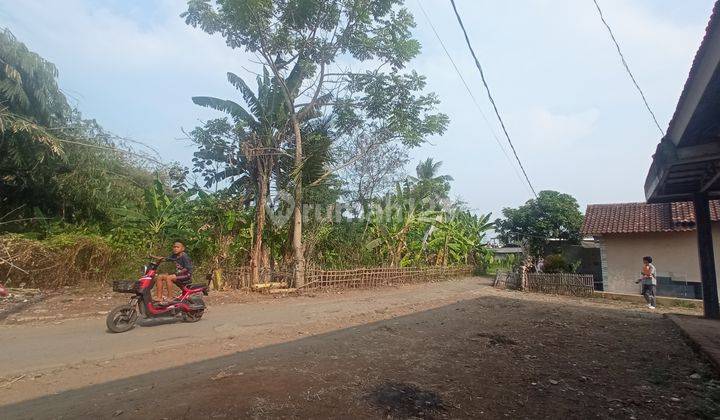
28	85
552	215
52	161
30	102
307	45
373	173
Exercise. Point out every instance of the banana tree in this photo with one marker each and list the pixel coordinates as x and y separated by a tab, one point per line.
252	151
390	227
160	217
458	236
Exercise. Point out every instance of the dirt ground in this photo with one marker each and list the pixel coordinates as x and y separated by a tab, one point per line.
476	352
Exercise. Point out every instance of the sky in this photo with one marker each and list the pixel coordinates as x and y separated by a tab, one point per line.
577	123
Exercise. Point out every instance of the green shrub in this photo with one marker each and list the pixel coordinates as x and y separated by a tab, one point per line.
555	263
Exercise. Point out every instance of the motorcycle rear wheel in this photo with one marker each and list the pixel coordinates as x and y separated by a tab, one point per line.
193	316
122	318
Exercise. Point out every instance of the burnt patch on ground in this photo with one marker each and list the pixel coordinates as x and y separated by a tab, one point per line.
405	400
498	339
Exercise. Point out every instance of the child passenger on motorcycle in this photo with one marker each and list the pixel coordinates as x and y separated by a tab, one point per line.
183	271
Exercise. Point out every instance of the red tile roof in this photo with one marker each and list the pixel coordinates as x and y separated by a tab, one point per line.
643	217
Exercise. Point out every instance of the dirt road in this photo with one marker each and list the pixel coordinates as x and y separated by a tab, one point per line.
452	349
80	340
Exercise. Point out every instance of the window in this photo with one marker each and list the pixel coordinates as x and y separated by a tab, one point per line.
666	286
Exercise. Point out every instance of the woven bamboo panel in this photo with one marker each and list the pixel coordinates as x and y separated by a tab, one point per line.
315	278
561	283
507	280
375	277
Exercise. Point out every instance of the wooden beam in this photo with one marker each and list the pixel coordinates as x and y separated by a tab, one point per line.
691	169
707	151
707	184
706	256
683	180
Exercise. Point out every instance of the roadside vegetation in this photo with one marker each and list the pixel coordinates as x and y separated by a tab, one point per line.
305	166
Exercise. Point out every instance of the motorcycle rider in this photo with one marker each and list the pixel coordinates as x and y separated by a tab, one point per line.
183	271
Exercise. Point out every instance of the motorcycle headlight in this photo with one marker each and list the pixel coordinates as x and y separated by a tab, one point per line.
144	270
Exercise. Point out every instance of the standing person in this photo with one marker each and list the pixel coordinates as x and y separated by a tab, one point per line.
649	281
183	271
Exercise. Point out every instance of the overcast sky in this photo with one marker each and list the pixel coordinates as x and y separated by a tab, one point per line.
577	122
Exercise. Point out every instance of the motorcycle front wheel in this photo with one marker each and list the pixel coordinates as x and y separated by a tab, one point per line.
122	318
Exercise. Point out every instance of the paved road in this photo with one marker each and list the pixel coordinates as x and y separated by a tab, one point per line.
33	348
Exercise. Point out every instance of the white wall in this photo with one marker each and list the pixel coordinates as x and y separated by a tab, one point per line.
674	254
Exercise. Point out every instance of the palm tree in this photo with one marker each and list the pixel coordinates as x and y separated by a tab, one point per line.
428	184
258	130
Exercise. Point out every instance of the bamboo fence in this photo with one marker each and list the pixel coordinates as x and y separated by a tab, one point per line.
507	280
241	277
315	278
561	283
238	277
381	276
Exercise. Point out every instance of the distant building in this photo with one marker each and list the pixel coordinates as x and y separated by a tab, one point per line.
665	231
503	252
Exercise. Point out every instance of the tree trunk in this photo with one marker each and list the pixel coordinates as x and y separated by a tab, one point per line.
265	271
297	245
218	281
445	250
256	253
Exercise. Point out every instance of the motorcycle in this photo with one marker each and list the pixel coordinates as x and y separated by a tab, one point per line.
189	305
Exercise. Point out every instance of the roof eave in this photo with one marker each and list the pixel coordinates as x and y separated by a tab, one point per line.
693	127
702	71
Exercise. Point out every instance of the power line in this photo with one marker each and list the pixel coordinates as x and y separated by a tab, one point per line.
627	68
469	91
492	101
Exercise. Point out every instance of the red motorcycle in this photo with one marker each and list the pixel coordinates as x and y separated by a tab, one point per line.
189	304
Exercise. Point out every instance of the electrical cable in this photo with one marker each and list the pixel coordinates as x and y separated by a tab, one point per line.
469	91
490	97
627	68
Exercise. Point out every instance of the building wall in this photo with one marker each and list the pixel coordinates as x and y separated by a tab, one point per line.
674	255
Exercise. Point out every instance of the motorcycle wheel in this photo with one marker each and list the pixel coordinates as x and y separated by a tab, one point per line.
193	316
122	318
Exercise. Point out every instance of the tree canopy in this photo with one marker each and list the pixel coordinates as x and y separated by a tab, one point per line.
53	162
552	215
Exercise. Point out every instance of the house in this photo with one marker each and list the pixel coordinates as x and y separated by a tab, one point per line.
666	231
505	252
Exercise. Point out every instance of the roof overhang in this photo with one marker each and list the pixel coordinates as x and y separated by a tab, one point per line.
687	160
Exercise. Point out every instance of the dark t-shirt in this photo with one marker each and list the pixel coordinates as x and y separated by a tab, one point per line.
183	266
